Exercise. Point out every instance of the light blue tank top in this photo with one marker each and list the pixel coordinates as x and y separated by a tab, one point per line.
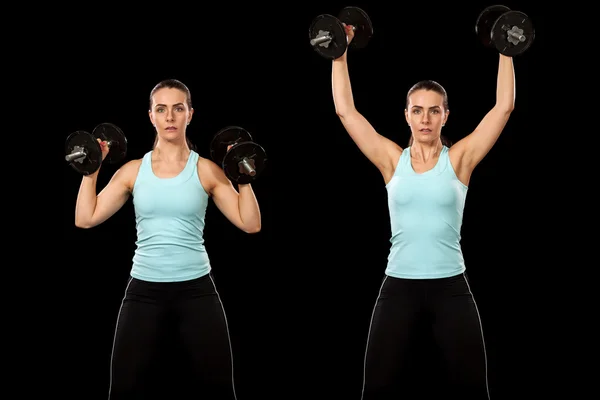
169	215
426	212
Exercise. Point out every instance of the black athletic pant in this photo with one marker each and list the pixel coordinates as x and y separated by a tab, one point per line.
192	312
444	306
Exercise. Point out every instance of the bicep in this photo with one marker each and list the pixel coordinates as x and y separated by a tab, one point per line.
224	195
112	197
377	148
479	143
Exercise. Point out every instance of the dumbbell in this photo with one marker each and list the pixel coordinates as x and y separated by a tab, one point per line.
328	36
84	154
241	158
508	31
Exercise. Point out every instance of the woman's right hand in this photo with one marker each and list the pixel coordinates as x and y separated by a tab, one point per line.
349	32
104	147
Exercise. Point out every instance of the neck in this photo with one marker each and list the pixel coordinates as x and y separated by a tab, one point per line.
424	151
171	151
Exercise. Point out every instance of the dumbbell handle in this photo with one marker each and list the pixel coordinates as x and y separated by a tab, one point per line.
325	38
320	39
77	154
247	166
518	36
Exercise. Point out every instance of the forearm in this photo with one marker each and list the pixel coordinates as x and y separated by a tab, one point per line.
86	200
505	90
249	209
342	90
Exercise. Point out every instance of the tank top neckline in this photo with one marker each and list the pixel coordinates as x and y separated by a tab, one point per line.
429	171
181	176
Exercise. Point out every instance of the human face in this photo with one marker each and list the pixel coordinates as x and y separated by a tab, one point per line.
426	115
170	113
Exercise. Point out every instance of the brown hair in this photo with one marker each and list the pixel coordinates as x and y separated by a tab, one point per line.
435	87
174	84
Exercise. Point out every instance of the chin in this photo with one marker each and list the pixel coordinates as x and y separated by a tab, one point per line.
171	136
428	139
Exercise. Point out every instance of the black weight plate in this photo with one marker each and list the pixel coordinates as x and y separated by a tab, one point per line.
506	22
82	140
364	28
229	135
231	163
117	141
328	24
485	21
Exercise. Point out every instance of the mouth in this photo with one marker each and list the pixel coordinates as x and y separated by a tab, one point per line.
170	128
425	130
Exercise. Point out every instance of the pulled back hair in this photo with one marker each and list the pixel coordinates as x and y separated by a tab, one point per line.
174	84
439	89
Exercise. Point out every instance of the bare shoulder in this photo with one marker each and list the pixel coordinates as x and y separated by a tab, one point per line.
394	151
128	172
456	154
207	165
457	150
209	173
387	170
131	167
397	152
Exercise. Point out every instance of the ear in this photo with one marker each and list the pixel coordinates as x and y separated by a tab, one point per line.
190	116
151	117
406	116
446	114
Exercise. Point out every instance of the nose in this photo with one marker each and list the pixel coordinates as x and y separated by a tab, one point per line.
170	116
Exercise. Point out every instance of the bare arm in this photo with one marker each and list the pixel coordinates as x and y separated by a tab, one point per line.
381	151
241	208
474	147
91	209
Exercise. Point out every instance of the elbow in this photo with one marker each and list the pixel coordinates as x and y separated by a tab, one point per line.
341	113
345	111
82	224
341	109
253	229
507	109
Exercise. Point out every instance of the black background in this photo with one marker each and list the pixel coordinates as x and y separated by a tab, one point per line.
299	295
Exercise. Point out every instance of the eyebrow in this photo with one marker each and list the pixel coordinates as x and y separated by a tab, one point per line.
164	105
422	107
